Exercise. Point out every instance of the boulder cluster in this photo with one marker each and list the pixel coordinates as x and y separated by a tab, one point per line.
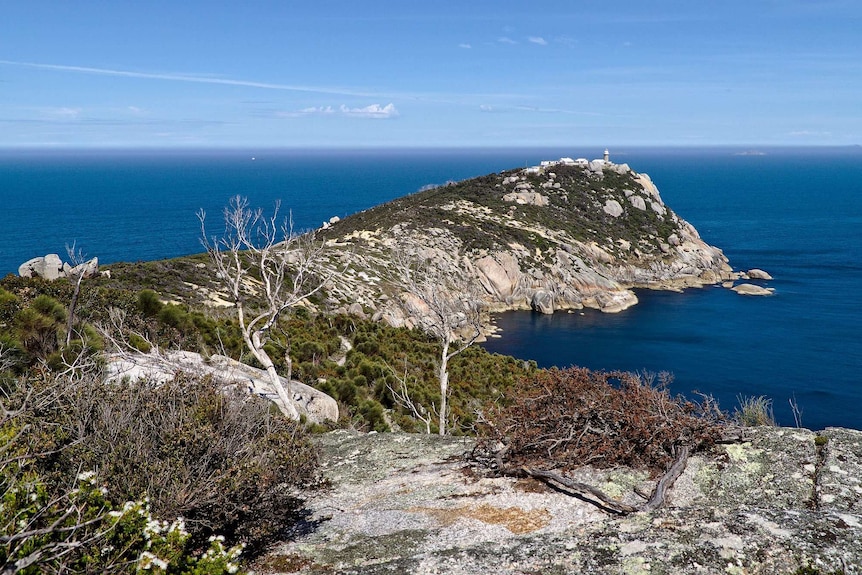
51	267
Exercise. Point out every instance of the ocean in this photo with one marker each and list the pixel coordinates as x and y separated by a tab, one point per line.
797	213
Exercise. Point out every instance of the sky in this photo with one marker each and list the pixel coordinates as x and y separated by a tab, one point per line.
409	73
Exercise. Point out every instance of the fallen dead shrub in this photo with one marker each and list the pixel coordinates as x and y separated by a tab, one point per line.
566	418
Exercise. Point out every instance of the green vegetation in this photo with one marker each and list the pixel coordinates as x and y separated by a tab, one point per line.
176	465
575	209
754	411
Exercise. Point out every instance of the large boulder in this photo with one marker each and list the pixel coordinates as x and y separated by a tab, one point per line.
542	302
29	268
314	404
499	274
613	208
638	202
88	269
51	267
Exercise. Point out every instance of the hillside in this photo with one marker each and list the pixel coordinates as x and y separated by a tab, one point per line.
558	236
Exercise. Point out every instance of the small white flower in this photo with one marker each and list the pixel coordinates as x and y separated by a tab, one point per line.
178	526
87	476
147	561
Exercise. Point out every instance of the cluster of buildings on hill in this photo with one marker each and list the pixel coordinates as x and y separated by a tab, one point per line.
595	165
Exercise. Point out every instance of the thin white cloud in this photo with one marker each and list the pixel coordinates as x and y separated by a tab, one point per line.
372	111
186	78
538	40
808	134
65	113
311	111
505	40
465	45
486	108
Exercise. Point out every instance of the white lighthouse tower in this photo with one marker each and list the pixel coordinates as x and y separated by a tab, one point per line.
606	156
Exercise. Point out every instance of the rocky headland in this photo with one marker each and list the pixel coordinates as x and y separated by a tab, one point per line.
564	235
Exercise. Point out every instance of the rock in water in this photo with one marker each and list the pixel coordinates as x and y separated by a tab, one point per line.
758	274
751	289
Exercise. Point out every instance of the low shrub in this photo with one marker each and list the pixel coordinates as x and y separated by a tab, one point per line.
221	460
54	518
754	411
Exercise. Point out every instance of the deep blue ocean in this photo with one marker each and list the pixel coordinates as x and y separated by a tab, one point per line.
796	213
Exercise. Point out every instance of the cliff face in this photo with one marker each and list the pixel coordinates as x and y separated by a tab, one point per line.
787	501
552	237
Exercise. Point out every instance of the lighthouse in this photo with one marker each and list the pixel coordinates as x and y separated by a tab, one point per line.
606	156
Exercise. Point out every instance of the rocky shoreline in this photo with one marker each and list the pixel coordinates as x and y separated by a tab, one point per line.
561	236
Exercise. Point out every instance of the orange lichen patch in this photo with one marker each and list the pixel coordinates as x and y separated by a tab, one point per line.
515	519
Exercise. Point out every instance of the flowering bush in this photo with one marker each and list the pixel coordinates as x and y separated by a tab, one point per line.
80	531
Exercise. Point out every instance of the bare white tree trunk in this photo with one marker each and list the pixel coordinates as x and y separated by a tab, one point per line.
445	304
443	376
283	265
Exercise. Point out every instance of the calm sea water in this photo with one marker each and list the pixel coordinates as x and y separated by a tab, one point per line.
796	213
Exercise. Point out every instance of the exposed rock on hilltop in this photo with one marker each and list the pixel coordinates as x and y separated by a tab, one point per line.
559	236
786	502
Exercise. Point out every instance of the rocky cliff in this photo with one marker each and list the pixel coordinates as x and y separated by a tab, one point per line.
558	236
789	501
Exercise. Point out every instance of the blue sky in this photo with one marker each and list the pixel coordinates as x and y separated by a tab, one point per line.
445	73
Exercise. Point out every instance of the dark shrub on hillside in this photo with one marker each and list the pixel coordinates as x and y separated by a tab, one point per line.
222	460
149	303
565	418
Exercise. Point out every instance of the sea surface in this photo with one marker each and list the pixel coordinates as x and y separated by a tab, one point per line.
794	212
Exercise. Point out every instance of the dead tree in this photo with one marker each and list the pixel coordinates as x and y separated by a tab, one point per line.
261	259
444	303
76	275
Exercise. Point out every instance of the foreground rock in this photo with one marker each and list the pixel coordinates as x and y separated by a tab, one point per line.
312	403
785	501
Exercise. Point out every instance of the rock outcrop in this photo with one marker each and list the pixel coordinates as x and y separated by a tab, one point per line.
758	274
314	404
787	501
559	236
51	267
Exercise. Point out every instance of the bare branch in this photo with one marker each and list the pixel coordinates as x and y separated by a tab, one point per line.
261	259
443	301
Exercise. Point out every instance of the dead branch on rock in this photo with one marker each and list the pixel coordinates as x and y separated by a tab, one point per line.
566	419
